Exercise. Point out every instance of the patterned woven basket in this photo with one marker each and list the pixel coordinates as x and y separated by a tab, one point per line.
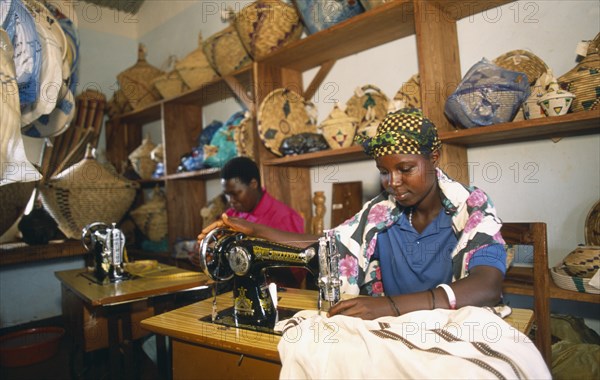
584	79
365	97
578	284
170	84
409	95
151	217
339	128
141	159
225	52
284	113
265	26
14	198
524	62
583	261
85	193
244	137
194	69
592	226
136	81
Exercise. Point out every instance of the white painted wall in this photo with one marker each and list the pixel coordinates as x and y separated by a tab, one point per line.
564	186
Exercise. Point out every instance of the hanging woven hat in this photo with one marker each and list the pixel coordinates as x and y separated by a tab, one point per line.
85	193
136	81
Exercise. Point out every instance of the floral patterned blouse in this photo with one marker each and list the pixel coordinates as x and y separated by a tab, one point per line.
474	221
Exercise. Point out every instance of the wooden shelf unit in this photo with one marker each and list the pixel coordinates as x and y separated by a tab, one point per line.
433	23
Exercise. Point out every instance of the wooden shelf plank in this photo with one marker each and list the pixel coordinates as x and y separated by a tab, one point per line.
380	25
586	122
352	153
197	174
17	253
520	281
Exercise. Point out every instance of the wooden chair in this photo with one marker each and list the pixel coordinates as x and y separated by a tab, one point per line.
522	280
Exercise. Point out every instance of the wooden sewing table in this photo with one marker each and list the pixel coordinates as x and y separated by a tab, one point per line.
100	316
203	350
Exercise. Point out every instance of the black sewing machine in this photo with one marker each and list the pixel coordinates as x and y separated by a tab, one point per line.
106	245
226	254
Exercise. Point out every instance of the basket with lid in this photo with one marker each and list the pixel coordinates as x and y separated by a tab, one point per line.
584	79
339	128
136	81
141	159
194	69
151	217
85	193
265	26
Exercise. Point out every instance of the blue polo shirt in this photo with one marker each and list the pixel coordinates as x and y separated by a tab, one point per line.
412	262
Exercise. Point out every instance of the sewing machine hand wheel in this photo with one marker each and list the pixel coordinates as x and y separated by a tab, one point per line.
88	232
212	260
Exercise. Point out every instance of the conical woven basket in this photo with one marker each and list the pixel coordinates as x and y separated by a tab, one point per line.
584	79
85	193
136	82
225	52
141	160
194	69
265	26
151	217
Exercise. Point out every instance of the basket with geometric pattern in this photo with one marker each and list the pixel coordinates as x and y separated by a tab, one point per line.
225	52
584	79
85	193
583	261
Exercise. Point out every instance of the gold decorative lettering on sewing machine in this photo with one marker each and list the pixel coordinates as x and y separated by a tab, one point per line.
106	245
226	254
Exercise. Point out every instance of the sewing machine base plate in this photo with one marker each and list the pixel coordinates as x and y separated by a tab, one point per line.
226	318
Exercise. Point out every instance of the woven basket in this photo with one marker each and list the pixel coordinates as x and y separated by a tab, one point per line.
14	198
592	226
578	284
583	261
284	113
136	82
339	128
409	95
151	217
584	79
141	159
170	84
244	137
364	97
118	104
265	26
524	62
194	69
225	52
85	193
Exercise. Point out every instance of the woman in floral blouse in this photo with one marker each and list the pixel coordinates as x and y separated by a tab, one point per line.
425	242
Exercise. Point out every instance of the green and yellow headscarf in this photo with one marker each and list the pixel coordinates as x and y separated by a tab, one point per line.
405	131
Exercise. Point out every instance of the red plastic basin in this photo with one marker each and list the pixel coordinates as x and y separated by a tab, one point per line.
22	348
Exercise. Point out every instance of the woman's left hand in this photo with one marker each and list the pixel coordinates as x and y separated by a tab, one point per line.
363	307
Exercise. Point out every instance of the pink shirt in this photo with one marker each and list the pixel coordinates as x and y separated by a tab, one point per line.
273	213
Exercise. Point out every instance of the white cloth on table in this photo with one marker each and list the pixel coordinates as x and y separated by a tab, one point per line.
469	343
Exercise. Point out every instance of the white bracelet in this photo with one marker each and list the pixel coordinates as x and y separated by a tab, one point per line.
450	294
